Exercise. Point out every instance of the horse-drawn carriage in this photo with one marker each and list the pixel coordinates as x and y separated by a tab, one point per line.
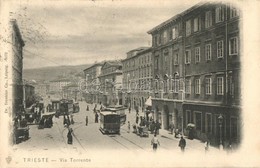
142	131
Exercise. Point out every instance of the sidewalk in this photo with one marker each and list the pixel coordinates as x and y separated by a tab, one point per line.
191	144
194	144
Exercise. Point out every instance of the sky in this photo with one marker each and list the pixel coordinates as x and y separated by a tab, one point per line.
64	33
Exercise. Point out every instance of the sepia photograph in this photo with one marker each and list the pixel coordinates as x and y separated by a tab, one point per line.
114	83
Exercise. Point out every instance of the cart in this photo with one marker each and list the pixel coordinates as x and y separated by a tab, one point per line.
22	134
143	131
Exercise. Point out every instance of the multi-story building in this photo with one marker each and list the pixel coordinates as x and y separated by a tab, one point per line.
196	58
29	94
57	85
71	91
17	67
91	76
110	83
42	89
137	77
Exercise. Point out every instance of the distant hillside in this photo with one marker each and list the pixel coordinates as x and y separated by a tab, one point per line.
51	73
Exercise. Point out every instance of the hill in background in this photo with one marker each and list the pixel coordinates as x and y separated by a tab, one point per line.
55	72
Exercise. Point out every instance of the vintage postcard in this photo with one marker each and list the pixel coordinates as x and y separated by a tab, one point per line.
120	83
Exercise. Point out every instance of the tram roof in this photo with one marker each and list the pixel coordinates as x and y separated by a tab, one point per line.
108	113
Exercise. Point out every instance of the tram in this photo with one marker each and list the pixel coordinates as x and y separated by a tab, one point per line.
76	107
66	107
109	122
120	110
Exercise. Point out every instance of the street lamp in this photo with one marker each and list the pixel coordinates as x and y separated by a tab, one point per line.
220	121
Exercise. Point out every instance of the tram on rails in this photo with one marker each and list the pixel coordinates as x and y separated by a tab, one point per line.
66	107
109	122
120	110
76	107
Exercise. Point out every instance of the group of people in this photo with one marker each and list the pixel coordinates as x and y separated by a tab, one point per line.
68	120
155	143
45	122
95	111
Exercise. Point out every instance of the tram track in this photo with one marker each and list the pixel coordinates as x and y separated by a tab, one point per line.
125	140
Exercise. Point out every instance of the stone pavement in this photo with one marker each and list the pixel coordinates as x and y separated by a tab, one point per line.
191	144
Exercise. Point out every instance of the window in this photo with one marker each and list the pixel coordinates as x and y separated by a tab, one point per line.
208	52
164	37
208	19
197	86
208	86
156	85
220	49
220	86
231	85
166	61
208	123
174	33
233	46
175	85
187	57
158	37
196	24
157	62
166	84
188	27
187	86
176	59
219	14
197	54
233	12
198	121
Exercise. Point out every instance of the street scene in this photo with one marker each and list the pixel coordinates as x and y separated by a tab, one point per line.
87	138
118	81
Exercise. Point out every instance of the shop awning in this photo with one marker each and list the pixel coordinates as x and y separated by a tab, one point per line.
148	101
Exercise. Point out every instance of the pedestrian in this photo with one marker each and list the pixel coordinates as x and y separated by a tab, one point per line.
229	147
86	120
182	143
206	145
137	119
157	127
71	120
96	118
155	142
171	127
129	109
176	132
129	127
87	108
69	136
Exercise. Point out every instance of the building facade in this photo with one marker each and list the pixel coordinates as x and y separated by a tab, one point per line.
137	77
29	94
92	81
57	85
42	89
196	57
71	92
110	85
17	67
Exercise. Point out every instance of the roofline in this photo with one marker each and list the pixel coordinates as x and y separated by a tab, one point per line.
177	16
138	54
138	49
117	65
96	64
14	24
